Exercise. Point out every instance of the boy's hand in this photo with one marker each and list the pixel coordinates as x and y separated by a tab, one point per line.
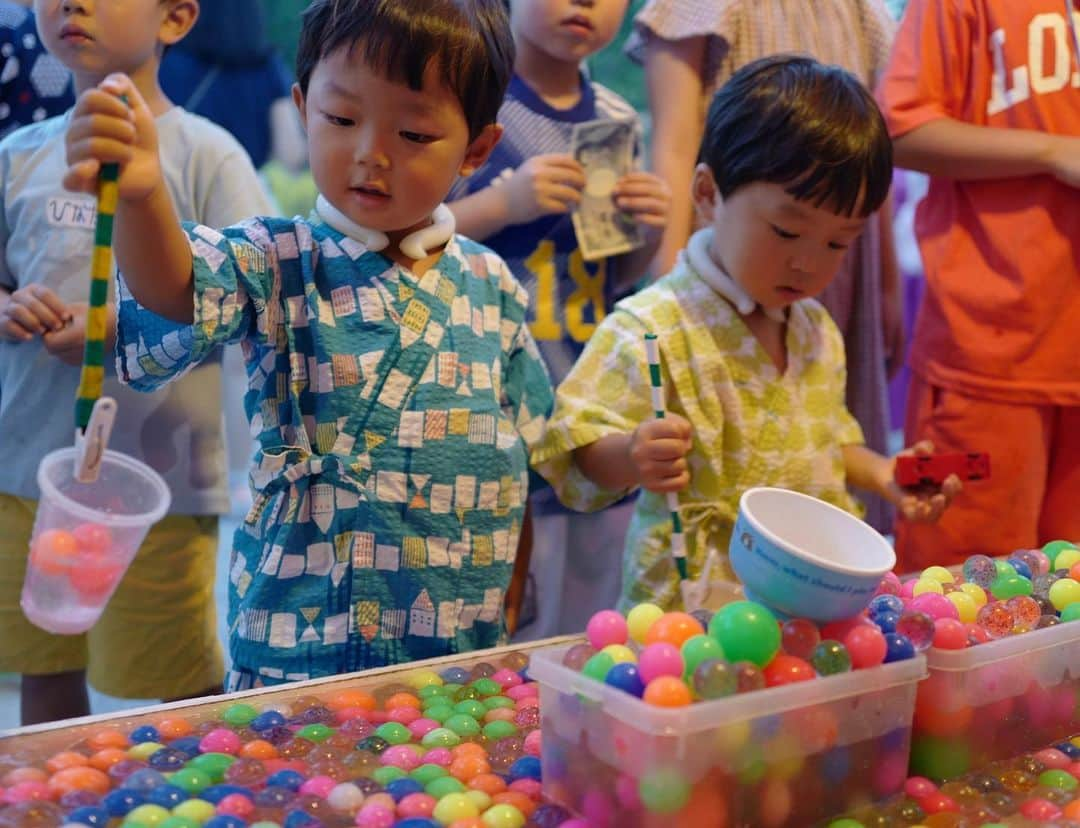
645	196
104	129
658	452
69	343
31	311
924	504
543	185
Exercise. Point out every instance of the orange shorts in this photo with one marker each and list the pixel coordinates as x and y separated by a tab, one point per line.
1031	496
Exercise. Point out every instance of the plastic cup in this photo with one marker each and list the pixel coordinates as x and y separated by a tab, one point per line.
85	536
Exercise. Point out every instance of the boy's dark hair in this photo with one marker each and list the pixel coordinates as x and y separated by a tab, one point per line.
812	128
469	41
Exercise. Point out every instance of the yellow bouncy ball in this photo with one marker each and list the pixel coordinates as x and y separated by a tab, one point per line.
937	573
144	750
197	810
1066	558
454	807
620	654
927	585
977	593
640	618
732	738
481	799
965	606
420	679
1064	592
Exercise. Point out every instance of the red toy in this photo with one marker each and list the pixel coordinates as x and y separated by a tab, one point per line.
932	469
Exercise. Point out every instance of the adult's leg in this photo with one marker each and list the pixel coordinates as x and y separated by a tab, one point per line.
991	517
1060	518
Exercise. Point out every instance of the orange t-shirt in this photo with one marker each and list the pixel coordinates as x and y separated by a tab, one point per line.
1001	314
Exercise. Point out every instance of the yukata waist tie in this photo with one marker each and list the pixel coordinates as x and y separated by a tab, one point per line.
315	485
709	526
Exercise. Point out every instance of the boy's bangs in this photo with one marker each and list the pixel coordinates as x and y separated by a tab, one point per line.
846	188
402	46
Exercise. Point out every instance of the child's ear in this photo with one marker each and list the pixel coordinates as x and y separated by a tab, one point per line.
301	103
705	193
179	18
479	150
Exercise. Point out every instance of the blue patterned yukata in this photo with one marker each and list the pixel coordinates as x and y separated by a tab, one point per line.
394	414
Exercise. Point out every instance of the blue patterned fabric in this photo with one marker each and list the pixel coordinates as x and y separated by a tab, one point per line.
394	414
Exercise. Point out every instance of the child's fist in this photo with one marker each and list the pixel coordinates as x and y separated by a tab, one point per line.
111	124
924	504
544	184
644	196
658	452
69	342
31	311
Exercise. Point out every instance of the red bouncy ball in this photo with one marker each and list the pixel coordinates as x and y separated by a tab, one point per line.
787	669
94	576
93	537
950	634
866	646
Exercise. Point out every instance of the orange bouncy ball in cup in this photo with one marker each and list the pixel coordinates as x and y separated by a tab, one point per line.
54	551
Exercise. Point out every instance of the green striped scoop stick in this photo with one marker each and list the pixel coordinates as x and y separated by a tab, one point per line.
678	539
92	376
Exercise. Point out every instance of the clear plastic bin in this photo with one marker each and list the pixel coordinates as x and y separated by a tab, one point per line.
996	700
786	756
85	536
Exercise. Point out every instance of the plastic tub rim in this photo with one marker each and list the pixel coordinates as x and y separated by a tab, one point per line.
991	652
546	667
48	490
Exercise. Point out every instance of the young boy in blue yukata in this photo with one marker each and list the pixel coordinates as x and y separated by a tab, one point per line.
520	203
47	244
393	384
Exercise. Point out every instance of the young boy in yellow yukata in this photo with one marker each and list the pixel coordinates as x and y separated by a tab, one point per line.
795	159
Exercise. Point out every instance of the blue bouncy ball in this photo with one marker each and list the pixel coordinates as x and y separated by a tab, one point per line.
225	821
886	621
168	759
886	603
144	780
527	767
302	819
266	721
168	796
122	801
898	647
146	733
285	779
1069	749
455	675
626	677
1021	567
401	788
215	793
187	745
92	817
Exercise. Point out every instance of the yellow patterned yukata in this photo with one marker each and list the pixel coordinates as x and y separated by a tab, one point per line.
752	426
